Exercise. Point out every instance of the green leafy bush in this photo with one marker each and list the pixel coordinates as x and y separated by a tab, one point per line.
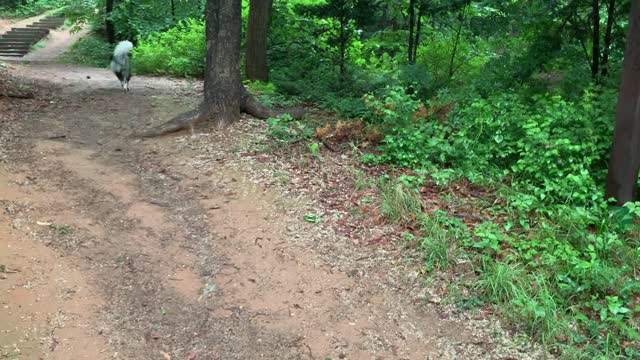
551	148
179	51
285	129
92	50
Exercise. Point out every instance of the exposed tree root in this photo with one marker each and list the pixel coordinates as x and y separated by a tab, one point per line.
248	104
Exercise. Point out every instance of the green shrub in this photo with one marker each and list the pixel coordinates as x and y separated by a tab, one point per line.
400	203
553	149
179	51
92	50
570	278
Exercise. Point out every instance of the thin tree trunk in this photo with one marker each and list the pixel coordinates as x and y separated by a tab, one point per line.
109	28
173	10
455	46
412	19
625	154
343	47
222	89
256	67
607	37
416	43
595	52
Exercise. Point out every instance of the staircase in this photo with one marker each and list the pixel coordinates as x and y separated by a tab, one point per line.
18	41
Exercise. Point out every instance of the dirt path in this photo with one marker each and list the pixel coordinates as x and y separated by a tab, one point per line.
115	248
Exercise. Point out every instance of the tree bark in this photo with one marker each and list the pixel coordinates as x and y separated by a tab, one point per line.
595	52
625	154
222	78
412	19
108	23
173	10
611	10
416	43
256	51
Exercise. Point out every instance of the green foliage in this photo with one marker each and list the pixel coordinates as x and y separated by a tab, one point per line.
62	229
572	286
29	8
91	50
439	244
134	18
400	203
548	147
285	129
180	51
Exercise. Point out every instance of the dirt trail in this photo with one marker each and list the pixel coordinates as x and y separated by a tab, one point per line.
164	249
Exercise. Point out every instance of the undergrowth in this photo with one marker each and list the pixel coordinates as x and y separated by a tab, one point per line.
541	244
179	51
31	8
92	50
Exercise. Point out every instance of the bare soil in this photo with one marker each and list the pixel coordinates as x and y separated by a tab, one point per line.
191	248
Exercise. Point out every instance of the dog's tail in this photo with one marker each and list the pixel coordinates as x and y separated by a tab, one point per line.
121	62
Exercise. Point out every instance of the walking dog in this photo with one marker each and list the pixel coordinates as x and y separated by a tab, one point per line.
121	63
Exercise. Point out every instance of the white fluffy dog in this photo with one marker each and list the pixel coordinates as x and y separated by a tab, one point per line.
121	63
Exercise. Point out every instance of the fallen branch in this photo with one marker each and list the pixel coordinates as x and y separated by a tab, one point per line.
18	95
53	137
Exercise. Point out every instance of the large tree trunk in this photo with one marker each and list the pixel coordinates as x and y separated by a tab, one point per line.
256	51
109	28
595	39
607	37
222	78
224	95
625	153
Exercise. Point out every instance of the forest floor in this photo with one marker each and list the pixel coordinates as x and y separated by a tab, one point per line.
192	248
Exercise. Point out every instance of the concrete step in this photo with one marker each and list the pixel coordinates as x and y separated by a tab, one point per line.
51	27
34	34
15	47
12	42
22	37
50	21
13	53
18	41
28	30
